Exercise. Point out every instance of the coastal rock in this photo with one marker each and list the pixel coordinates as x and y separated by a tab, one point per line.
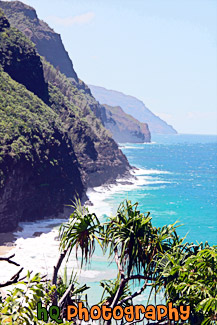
37	234
124	127
36	190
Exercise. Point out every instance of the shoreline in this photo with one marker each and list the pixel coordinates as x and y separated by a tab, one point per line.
39	254
8	240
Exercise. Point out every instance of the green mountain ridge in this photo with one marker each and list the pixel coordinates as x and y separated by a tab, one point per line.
50	150
49	45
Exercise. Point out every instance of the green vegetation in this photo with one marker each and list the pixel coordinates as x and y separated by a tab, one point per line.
62	142
188	274
24	21
19	59
76	97
20	305
24	119
27	125
50	138
11	37
156	257
72	107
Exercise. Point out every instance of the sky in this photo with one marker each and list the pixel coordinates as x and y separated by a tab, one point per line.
164	52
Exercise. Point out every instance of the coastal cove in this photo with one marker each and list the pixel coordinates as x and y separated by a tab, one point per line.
175	181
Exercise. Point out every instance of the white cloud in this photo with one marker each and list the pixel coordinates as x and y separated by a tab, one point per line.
69	21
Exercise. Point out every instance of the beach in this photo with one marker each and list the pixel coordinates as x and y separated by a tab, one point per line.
7	243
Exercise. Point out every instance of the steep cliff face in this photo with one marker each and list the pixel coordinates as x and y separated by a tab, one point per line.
37	190
132	106
19	59
124	127
50	150
39	171
99	157
48	43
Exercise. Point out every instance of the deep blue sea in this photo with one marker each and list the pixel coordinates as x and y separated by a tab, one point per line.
176	181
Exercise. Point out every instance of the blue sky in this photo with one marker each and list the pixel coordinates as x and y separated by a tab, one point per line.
163	52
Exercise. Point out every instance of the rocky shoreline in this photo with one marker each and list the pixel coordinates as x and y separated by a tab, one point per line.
7	239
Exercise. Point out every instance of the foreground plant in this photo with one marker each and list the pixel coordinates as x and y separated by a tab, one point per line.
156	258
189	277
20	305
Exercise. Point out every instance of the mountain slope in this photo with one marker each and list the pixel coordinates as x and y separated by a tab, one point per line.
124	127
132	106
38	167
50	150
99	158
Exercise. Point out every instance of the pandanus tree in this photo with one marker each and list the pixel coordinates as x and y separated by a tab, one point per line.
155	257
135	244
81	232
131	241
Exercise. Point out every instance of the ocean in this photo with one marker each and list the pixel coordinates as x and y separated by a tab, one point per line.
176	181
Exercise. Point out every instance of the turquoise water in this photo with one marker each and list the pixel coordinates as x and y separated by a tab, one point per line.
186	191
178	182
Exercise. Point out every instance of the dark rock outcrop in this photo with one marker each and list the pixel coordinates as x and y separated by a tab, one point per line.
48	43
20	60
36	190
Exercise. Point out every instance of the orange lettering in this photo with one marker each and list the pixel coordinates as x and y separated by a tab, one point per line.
137	311
82	310
173	311
92	315
121	313
160	315
106	312
186	313
129	315
71	314
150	312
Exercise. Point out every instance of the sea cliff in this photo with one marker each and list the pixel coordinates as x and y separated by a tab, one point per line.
52	145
